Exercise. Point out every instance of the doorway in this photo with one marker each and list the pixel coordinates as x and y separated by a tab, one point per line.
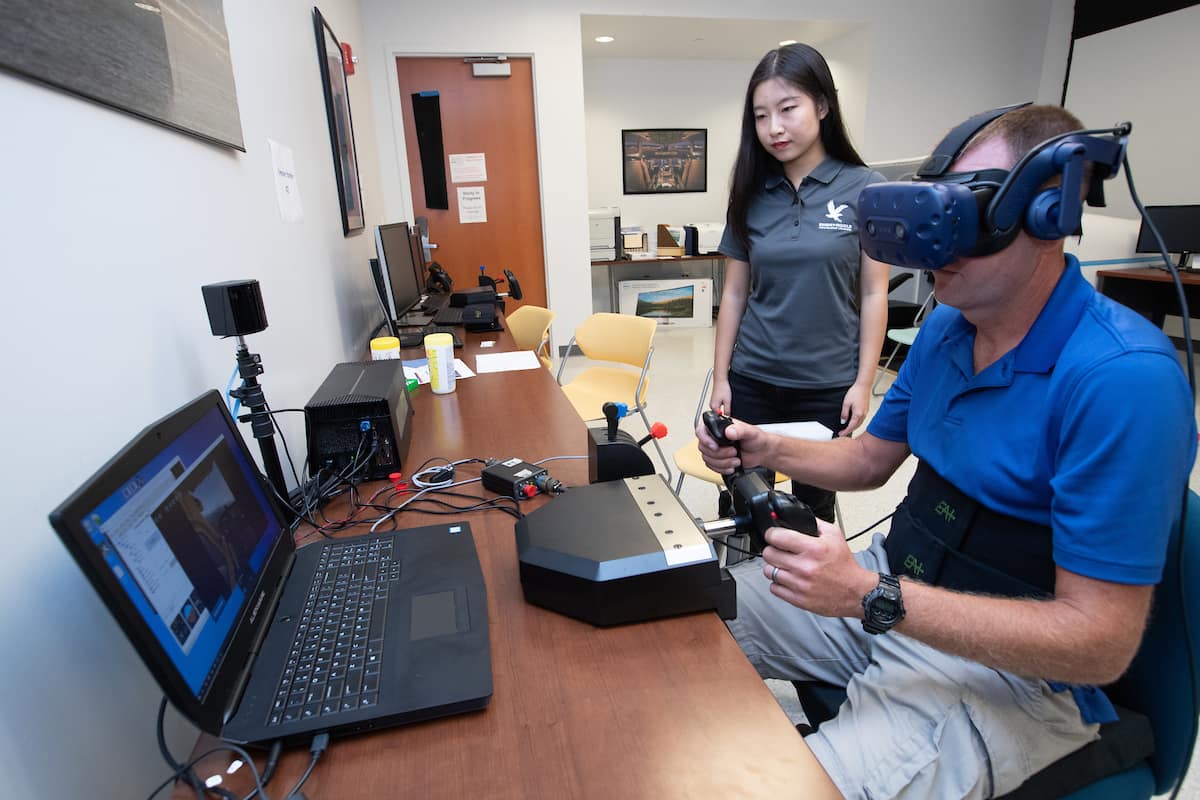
492	116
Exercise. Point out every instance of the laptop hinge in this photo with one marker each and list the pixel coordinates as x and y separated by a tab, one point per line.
270	603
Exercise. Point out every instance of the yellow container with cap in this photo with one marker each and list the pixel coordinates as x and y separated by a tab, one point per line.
439	349
385	347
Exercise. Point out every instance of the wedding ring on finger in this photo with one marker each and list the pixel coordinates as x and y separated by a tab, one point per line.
774	574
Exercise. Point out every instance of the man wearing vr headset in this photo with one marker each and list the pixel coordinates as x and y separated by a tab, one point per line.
1054	432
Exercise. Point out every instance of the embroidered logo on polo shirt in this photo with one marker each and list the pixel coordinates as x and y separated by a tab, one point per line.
834	212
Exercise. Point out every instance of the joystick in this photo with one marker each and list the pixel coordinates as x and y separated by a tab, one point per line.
757	505
716	423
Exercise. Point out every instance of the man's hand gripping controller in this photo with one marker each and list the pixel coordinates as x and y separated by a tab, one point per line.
756	505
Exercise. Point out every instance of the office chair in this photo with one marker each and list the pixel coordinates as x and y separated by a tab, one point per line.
530	329
1147	751
619	338
902	337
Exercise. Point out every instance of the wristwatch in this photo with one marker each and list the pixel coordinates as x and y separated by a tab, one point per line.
882	606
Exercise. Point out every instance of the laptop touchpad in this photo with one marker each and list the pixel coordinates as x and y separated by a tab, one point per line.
439	614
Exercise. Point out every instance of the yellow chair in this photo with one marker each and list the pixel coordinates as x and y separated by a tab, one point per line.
618	338
530	329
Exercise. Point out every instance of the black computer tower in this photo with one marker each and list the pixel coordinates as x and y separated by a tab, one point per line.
360	415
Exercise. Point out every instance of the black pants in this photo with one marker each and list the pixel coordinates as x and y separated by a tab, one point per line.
759	403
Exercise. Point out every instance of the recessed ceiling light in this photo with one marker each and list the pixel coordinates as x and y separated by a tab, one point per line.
786	42
604	39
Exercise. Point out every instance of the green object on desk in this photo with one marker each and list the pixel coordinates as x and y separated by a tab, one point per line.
412	385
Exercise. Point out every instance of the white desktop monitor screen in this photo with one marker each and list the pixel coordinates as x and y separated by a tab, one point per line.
396	261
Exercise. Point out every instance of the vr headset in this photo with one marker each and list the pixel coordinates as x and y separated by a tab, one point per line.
940	217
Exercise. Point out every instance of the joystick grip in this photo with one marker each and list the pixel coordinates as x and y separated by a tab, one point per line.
779	510
716	424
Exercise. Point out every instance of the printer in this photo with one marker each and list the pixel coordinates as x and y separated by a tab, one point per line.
604	233
706	237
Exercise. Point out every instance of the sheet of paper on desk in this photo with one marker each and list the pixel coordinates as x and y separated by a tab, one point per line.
799	430
507	362
419	369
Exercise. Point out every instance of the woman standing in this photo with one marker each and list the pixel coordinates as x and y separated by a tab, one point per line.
803	309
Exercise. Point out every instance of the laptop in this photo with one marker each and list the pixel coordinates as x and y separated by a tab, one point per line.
251	638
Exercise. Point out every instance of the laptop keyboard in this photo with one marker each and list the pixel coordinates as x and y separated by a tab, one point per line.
335	659
417	338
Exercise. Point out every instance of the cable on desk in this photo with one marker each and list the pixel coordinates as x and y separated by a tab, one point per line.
184	768
319	743
191	776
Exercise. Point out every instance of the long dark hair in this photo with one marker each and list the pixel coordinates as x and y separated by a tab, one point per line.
801	66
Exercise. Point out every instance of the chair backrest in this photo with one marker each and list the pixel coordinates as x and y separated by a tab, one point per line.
529	326
623	338
1163	682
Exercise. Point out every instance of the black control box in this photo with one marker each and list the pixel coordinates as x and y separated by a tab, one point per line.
362	406
515	478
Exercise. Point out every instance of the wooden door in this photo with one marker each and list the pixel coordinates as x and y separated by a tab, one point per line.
493	116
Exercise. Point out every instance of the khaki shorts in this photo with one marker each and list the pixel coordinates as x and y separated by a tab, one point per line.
917	722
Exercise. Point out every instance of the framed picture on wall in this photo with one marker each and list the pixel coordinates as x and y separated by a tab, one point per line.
664	160
341	128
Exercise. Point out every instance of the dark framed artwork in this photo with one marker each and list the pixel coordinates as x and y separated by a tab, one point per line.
166	61
341	128
664	160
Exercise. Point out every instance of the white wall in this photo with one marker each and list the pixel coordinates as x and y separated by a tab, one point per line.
682	94
1146	73
109	225
930	64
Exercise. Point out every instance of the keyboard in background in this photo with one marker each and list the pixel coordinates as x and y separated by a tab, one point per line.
415	337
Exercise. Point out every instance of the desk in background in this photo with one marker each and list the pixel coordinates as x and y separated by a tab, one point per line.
663	709
607	274
1150	292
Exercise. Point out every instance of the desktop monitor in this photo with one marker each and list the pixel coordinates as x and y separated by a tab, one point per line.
418	257
1179	227
676	301
396	264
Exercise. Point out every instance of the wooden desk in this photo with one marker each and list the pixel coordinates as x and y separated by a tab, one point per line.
664	709
1150	292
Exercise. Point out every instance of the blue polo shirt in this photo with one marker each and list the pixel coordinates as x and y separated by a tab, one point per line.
1087	427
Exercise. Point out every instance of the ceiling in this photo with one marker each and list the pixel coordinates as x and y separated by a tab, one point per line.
689	37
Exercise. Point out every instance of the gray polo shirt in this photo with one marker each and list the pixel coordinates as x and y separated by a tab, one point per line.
800	328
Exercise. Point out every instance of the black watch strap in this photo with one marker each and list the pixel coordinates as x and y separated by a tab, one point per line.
883	606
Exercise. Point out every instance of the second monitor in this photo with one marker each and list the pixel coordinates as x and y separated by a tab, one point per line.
393	244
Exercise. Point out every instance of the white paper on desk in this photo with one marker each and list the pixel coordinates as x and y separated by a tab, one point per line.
799	430
421	373
507	362
461	370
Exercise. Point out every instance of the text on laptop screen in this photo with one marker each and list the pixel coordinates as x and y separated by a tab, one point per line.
186	538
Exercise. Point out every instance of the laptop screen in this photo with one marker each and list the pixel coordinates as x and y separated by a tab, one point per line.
186	536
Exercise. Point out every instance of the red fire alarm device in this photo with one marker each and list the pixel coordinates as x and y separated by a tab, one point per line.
348	59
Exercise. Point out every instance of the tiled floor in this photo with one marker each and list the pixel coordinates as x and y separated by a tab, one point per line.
682	358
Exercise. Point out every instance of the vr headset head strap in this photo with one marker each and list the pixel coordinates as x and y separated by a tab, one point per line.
952	144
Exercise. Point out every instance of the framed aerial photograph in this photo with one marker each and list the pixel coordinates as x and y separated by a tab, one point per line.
664	160
341	128
167	62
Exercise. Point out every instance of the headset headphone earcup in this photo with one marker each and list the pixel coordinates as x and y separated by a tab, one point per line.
1042	217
